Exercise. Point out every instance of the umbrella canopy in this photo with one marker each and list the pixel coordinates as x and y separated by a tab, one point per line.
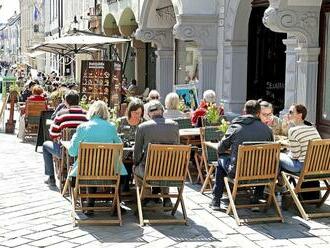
77	42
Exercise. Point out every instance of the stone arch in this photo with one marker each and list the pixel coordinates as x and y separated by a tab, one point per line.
110	25
127	23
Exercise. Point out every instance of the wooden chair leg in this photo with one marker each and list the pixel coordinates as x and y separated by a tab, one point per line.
232	201
294	196
190	179
326	194
117	200
277	207
138	200
198	166
207	181
175	207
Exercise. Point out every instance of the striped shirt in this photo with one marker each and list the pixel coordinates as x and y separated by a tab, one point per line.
70	118
298	140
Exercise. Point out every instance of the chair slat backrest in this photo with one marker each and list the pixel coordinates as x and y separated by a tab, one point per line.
317	159
34	108
167	162
183	123
100	161
67	133
210	134
258	161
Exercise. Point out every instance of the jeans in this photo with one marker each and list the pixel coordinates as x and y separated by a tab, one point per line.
50	149
289	164
221	171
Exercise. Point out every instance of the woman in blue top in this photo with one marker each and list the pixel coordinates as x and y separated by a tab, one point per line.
96	130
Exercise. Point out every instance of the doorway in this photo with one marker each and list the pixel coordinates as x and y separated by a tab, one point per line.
266	61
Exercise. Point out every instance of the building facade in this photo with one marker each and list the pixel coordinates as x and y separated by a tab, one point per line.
10	46
242	49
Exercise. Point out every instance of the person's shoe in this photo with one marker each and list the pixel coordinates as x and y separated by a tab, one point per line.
158	201
167	203
215	204
148	202
89	212
50	181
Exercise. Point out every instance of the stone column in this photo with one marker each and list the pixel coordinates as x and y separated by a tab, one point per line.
163	38
203	30
140	63
307	79
164	72
291	74
235	74
301	20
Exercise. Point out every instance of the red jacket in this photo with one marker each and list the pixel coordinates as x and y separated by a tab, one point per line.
201	111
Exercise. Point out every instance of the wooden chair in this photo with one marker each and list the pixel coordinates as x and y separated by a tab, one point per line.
33	111
62	163
184	123
166	166
316	168
99	165
257	165
209	155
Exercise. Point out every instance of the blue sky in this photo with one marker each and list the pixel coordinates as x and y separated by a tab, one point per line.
8	8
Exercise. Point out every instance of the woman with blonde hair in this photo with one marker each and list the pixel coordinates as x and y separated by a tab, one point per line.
97	130
172	102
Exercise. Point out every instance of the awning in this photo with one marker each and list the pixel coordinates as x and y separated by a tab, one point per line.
77	42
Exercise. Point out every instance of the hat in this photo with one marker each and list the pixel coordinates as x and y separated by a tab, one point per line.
155	105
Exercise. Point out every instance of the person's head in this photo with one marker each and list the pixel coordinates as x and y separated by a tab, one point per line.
209	96
252	107
155	108
98	109
124	80
37	90
266	112
31	84
153	95
172	101
71	98
135	109
297	113
133	82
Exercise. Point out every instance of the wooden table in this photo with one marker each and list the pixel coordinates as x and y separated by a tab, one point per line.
186	132
213	145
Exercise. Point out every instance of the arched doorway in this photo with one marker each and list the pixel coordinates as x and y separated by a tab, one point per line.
266	60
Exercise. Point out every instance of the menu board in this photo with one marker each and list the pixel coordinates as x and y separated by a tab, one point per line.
101	80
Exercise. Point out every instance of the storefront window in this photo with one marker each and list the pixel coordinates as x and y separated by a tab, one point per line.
326	86
186	62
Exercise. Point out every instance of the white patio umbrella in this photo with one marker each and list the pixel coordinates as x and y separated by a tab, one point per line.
77	42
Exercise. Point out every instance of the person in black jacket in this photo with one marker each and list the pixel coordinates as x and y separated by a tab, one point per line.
247	127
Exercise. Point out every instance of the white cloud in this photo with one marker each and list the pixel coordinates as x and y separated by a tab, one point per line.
8	8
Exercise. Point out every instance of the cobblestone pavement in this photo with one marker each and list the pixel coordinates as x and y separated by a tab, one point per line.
33	215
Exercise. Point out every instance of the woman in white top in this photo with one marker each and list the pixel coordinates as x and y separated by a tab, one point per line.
172	111
299	135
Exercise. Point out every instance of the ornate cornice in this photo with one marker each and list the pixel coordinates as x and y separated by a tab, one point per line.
163	38
302	22
203	30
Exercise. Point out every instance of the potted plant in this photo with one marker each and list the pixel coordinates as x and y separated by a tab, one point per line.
212	116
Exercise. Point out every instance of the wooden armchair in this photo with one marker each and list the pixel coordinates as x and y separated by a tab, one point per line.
62	163
99	165
257	165
209	155
316	168
166	166
33	111
184	123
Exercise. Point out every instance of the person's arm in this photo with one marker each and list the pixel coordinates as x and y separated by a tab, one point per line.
77	138
138	146
116	138
294	146
226	141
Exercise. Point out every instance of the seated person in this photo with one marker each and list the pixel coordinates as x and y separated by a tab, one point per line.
274	122
158	130
247	127
132	89
127	129
97	130
298	136
172	111
208	99
70	117
153	95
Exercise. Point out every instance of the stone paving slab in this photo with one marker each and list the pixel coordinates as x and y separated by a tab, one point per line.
34	215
